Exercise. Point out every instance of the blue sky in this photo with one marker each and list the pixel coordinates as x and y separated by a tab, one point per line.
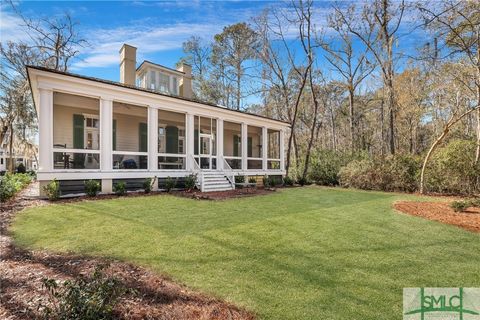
156	28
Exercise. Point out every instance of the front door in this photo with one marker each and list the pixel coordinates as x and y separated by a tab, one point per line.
205	151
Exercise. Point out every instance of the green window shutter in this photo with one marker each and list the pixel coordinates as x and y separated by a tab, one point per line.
195	142
171	134
236	140
250	147
78	131
114	134
143	137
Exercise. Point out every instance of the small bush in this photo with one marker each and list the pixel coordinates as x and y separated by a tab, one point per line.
303	181
7	188
92	188
266	182
52	190
86	298
239	179
190	182
148	184
475	202
120	188
170	183
460	206
21	168
252	180
287	181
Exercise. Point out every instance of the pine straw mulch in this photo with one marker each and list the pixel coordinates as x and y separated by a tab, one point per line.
156	297
441	211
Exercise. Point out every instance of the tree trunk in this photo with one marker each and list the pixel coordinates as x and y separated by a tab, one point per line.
352	134
312	133
477	152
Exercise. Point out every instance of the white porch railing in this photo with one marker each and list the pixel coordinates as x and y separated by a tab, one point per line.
198	172
229	172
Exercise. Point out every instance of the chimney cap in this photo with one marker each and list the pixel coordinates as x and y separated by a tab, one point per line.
127	45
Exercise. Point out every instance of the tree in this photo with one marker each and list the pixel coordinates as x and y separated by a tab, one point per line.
232	49
53	43
352	66
376	28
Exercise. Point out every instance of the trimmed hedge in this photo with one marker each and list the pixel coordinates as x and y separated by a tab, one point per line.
10	184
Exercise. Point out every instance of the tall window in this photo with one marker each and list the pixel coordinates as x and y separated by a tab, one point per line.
175	85
153	80
171	140
164	83
76	136
129	136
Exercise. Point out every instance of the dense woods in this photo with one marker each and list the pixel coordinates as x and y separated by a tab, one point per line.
367	107
379	95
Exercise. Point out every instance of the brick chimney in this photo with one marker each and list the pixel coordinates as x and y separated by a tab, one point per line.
186	80
128	62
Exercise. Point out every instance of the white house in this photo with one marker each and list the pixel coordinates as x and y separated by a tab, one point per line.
145	126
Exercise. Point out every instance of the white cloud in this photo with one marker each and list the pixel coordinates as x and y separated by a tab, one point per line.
11	26
105	43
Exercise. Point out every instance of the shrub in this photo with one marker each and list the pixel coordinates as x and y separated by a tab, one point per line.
148	184
266	181
252	180
287	181
475	202
120	188
52	190
190	182
303	181
239	179
92	297
460	206
7	188
325	166
452	169
92	188
170	183
21	168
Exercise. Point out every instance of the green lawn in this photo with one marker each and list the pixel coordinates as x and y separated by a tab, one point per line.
299	253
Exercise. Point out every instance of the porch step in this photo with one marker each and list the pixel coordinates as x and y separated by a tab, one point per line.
215	181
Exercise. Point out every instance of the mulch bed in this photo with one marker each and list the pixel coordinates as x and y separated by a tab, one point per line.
222	195
156	297
441	211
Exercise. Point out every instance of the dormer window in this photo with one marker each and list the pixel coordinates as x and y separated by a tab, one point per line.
174	86
164	83
152	80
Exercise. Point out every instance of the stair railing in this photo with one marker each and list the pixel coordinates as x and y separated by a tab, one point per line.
198	171
229	174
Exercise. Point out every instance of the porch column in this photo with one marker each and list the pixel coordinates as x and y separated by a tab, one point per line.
106	143
264	148
282	150
220	144
190	133
45	131
152	139
244	146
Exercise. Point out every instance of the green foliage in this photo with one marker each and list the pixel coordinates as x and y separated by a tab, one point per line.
239	179
266	182
303	181
475	202
147	184
287	181
52	190
452	170
85	298
190	182
7	189
460	206
92	188
170	183
120	188
21	168
325	166
252	180
396	173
